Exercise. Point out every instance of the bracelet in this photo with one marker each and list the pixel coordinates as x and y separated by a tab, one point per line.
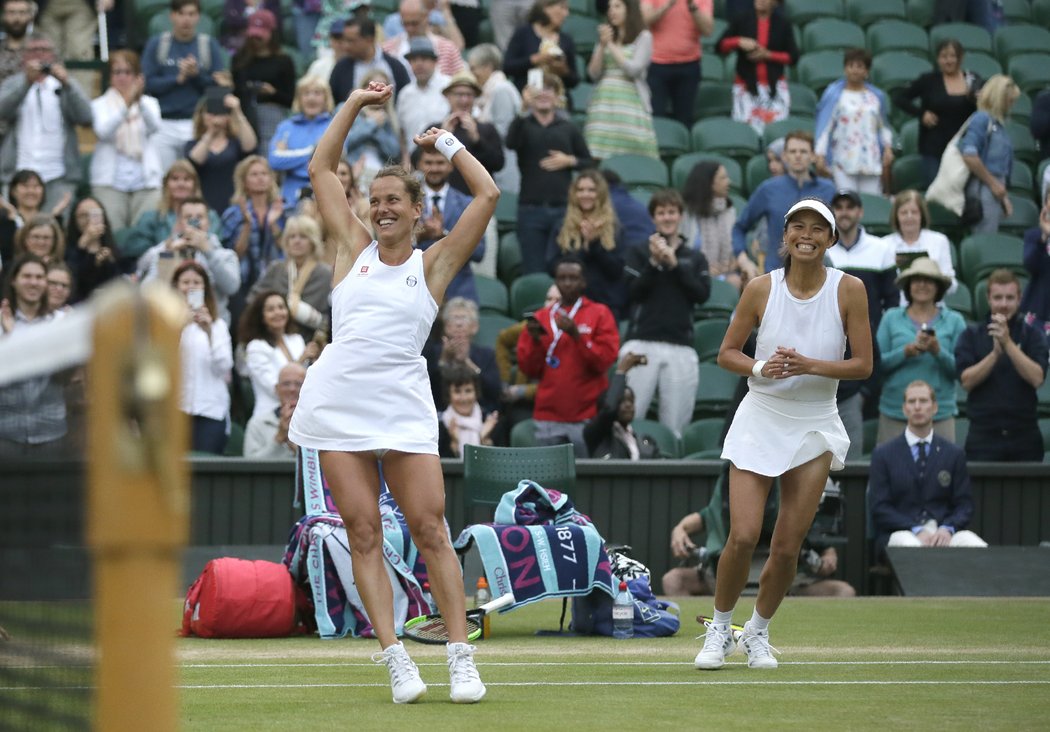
756	370
448	145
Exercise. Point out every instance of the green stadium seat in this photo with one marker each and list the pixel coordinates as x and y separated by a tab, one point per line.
920	12
664	436
907	173
803	100
817	70
983	64
972	37
672	136
642	195
713	99
1025	216
508	258
489	327
707	337
580	95
1021	112
802	12
506	212
895	69
775	130
638	170
685	164
962	399
756	171
908	138
961	300
979	254
870	435
876	214
584	33
715	391
583	7
523	434
1031	71
1012	40
866	12
713	68
703	434
831	34
946	222
528	292
1017	11
898	35
1041	13
493	296
235	442
708	42
214	9
1021	181
737	140
721	303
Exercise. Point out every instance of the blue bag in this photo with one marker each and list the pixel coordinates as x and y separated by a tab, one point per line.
653	618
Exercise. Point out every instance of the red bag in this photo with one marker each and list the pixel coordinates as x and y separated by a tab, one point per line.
238	598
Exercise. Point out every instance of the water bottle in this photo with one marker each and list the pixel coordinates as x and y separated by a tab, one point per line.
428	597
623	614
481	596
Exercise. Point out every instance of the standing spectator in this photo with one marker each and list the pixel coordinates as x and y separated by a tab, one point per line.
1036	301
540	43
363	54
549	148
15	20
467	14
236	23
1001	362
71	25
42	107
498	104
506	16
220	142
666	281
303	279
764	44
25	200
942	100
92	251
266	435
918	342
206	356
439	19
375	137
179	65
125	167
324	63
480	138
674	74
43	238
415	24
263	76
989	153
911	238
619	115
424	99
591	232
774	196
569	347
854	142
180	182
294	141
709	218
636	225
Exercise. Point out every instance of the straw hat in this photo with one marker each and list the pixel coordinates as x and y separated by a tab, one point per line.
462	78
924	267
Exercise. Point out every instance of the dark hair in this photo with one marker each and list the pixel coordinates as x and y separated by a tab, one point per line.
783	251
538	11
9	285
251	326
697	195
458	373
633	23
857	54
365	26
571	258
177	5
191	200
73	230
941	285
209	294
612	178
246	53
665	197
21	176
945	43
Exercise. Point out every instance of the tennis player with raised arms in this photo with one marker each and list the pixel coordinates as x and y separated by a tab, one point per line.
368	398
788	423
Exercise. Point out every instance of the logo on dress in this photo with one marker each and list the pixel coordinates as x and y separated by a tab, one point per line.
363	272
411	281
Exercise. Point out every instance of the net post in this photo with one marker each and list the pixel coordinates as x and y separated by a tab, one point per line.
138	504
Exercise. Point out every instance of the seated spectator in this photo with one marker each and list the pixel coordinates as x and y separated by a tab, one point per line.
911	238
591	232
498	104
988	152
854	141
709	218
34	410
569	347
463	422
293	143
519	391
375	137
919	486
415	24
674	74
41	108
1001	362
918	342
180	182
665	281
263	76
480	138
620	113
220	142
457	328
302	277
942	100
60	287
266	434
235	26
364	54
424	99
442	207
191	239
609	434
42	237
206	357
125	167
764	43
636	225
92	252
540	43
1035	304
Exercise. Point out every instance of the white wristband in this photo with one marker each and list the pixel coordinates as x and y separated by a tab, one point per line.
448	145
756	370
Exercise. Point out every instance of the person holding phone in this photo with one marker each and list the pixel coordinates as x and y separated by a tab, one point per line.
92	253
366	402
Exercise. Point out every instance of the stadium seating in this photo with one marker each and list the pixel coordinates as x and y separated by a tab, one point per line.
737	140
1025	216
803	100
722	301
1041	13
979	254
920	12
972	37
715	391
1021	181
523	434
685	164
781	127
1021	112
489	326
701	435
1012	40
713	99
897	35
638	170
907	173
983	64
1031	71
528	292
492	295
831	34
1017	11
506	212
580	95
961	301
665	438
962	399
908	137
707	337
895	69
672	137
817	70
876	214
584	33
756	171
489	472
805	11
713	68
708	42
866	12
162	22
508	259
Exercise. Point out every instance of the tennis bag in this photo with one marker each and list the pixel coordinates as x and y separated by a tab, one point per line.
238	598
592	614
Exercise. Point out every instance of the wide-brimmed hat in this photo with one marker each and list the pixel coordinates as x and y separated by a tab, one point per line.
924	267
462	78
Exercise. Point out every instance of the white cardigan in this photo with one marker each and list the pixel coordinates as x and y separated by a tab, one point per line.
264	364
206	370
936	246
106	120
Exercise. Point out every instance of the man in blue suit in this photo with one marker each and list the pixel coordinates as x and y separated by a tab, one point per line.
919	486
442	207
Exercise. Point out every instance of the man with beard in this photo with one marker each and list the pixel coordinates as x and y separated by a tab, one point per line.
15	20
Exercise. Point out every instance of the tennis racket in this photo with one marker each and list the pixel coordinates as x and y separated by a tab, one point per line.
432	628
737	629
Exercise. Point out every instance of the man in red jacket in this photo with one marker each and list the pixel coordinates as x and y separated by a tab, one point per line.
569	347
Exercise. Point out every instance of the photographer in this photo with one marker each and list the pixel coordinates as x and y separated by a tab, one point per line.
609	435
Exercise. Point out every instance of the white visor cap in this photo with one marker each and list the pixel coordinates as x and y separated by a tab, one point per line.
814	204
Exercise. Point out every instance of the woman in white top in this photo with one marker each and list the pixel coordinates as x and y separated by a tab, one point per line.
368	398
787	426
207	357
910	239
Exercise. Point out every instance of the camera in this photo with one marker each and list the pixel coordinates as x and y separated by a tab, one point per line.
926	329
812	560
306	193
45	69
194	221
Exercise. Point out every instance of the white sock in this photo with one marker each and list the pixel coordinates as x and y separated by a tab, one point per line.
722	617
758	623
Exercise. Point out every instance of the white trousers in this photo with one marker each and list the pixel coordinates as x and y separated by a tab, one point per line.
171	140
860	183
964	539
673	370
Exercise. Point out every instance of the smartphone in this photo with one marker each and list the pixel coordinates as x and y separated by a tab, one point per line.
194	221
535	78
214	100
195	298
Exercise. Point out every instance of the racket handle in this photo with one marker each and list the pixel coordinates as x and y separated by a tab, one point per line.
499	603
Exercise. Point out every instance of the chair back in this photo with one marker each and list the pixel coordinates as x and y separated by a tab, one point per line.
489	472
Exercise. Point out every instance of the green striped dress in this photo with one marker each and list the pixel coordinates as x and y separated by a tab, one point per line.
618	122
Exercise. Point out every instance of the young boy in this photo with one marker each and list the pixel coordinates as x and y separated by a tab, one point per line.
853	136
462	423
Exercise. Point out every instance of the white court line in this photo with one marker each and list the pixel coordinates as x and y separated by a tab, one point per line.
541	664
490	684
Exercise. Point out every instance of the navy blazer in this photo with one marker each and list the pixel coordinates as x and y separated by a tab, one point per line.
900	500
462	285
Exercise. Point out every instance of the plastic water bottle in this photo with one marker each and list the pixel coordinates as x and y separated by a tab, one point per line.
481	596
623	614
428	597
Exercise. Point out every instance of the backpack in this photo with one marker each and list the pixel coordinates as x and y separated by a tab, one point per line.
238	598
203	49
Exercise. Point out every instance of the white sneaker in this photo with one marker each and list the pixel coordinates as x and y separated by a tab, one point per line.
718	643
756	646
405	683
465	681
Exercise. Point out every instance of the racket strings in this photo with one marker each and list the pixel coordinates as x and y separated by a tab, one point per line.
434	630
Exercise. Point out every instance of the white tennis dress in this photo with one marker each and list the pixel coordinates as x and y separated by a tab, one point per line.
369	390
784	423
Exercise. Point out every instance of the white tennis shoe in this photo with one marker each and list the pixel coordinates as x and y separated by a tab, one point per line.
718	643
405	683
466	683
756	646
